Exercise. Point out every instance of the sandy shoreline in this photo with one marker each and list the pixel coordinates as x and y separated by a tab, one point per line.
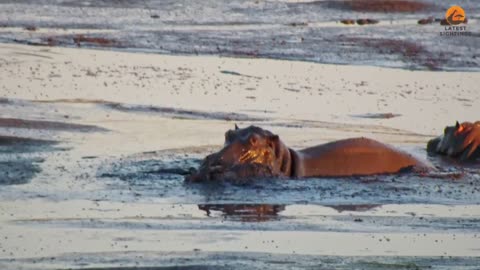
117	118
281	89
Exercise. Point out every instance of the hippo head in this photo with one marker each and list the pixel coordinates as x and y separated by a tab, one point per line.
247	152
248	145
460	140
447	139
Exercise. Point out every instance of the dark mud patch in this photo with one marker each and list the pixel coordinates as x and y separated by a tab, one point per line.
410	52
379	6
354	207
292	90
9	144
260	111
377	115
157	168
245	212
169	112
5	101
163	176
18	171
228	72
48	125
31	28
80	40
359	21
11	140
74	101
19	159
182	113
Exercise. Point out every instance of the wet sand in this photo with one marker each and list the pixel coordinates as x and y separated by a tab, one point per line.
112	195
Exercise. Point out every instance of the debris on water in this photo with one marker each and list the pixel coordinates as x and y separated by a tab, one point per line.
366	21
428	20
381	6
294	24
348	22
31	28
80	39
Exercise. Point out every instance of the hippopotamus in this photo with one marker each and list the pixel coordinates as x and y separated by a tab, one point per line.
461	141
253	152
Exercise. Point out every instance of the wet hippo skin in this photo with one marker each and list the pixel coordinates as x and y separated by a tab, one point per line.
461	141
256	152
356	156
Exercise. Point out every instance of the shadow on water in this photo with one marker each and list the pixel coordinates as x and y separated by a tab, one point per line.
19	159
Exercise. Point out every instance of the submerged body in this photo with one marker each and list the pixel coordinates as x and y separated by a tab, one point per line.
461	141
353	157
254	152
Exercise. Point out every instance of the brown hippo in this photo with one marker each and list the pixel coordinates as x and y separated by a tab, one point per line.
256	152
461	141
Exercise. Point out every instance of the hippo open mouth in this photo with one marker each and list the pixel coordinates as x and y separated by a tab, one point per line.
245	155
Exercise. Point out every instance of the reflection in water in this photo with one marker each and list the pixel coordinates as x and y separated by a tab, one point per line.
245	212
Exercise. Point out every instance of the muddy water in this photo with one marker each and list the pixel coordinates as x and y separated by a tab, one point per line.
294	30
83	198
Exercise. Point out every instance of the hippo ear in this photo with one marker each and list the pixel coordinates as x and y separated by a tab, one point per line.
457	125
236	127
274	138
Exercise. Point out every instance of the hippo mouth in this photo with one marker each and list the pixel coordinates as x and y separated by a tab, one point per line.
249	166
254	156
